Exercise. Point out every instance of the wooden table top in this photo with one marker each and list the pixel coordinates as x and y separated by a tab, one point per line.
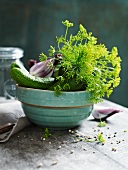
64	150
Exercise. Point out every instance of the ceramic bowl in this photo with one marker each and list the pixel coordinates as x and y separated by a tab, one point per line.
44	108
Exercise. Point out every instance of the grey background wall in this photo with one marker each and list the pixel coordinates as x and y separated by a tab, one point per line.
33	25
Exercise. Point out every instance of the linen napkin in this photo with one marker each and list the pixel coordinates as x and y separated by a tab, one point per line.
12	119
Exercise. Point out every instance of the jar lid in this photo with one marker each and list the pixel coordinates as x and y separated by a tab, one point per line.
11	53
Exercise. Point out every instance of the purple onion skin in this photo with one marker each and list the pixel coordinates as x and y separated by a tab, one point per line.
31	62
42	69
102	113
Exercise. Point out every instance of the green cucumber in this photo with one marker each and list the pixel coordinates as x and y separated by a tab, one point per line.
18	65
23	78
15	64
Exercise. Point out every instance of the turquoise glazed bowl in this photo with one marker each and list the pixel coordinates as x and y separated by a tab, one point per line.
44	108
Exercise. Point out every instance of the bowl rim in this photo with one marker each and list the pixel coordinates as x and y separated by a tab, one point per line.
34	89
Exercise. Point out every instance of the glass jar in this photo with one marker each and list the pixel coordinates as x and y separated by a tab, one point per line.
8	55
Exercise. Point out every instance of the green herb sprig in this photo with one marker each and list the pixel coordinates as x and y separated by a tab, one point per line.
46	133
86	63
101	123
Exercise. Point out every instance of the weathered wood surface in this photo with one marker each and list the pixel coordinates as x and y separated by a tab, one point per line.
27	150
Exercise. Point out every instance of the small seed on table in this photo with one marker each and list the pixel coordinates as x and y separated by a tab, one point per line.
54	162
59	147
114	149
72	151
39	165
